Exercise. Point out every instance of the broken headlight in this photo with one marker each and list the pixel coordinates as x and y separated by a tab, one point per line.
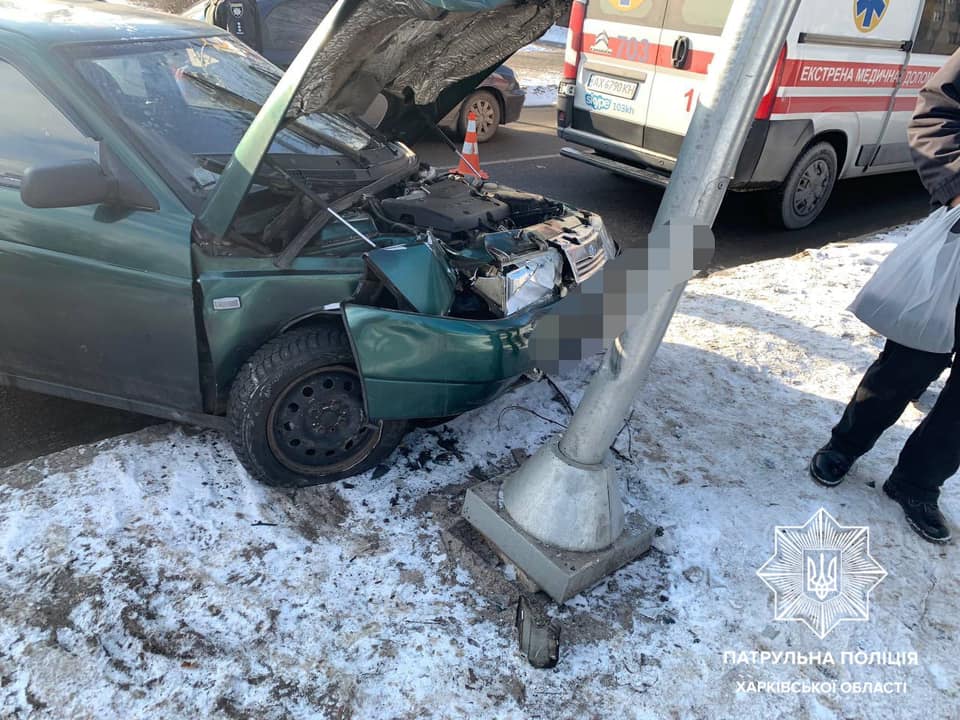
523	282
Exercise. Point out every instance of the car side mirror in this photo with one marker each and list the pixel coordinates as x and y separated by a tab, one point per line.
69	185
86	182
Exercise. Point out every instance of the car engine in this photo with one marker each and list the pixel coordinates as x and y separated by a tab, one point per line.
512	250
448	206
508	250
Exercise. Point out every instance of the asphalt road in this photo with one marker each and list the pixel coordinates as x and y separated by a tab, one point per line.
524	155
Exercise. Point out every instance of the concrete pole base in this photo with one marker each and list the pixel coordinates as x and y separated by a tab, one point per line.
561	574
565	503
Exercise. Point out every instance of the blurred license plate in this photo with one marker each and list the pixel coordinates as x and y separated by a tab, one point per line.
612	86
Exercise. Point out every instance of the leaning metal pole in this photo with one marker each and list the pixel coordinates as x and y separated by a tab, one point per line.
564	498
704	169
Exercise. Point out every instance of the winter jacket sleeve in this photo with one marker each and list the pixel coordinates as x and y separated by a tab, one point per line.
934	133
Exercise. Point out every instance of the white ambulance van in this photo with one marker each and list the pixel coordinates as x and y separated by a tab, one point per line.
837	107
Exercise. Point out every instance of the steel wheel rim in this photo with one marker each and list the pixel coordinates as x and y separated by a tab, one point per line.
317	426
486	116
812	188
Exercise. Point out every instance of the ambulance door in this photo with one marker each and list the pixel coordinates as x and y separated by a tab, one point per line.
842	74
938	37
894	71
690	39
620	42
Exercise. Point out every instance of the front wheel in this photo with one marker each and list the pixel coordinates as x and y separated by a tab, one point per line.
807	188
296	412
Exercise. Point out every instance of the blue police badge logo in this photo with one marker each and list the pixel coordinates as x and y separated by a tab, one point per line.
867	14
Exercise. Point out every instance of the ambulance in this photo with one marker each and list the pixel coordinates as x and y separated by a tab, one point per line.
837	105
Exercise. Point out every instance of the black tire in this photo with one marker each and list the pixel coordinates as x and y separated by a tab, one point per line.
282	396
487	107
807	189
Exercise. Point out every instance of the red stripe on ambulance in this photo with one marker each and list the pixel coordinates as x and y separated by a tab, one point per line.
571	56
645	53
798	73
837	104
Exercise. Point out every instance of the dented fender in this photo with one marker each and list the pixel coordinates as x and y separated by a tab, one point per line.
421	366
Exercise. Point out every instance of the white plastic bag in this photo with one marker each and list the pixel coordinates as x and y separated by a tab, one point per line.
912	298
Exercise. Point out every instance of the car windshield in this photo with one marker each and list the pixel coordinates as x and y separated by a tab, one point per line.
191	101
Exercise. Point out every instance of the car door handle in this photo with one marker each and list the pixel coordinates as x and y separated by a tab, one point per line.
681	52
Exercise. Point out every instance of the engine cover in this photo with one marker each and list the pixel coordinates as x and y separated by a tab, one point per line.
451	206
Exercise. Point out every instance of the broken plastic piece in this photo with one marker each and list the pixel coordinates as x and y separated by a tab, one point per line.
539	643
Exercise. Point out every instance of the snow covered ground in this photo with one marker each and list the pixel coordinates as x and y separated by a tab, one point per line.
149	577
541	88
539	66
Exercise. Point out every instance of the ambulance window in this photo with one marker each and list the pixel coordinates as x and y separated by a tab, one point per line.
939	32
706	17
633	12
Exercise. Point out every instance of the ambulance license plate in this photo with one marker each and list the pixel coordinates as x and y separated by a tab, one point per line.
612	86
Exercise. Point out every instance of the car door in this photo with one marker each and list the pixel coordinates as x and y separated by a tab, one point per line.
893	69
938	37
688	43
620	41
95	302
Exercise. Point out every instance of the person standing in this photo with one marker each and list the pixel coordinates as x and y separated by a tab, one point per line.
239	17
901	374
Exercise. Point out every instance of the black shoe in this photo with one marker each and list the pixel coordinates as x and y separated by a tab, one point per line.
830	466
922	515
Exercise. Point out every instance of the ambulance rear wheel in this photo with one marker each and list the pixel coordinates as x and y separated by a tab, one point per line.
804	194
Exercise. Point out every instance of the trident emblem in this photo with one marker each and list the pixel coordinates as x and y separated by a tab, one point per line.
821	573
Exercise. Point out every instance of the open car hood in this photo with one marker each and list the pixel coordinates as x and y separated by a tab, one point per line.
419	54
426	53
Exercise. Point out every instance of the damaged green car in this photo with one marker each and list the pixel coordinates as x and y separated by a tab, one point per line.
187	233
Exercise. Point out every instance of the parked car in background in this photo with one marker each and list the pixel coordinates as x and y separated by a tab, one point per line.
286	25
187	234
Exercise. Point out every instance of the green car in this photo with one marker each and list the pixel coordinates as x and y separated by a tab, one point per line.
188	233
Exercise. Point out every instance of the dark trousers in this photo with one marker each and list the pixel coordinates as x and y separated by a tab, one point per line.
932	454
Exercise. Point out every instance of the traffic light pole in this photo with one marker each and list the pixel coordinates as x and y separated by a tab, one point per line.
560	519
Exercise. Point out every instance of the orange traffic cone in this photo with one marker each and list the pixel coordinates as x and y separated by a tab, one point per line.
470	156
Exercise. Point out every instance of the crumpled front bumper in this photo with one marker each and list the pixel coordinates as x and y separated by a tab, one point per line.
420	366
427	365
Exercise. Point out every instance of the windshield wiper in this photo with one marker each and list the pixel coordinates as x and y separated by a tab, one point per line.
217	163
237	100
263	72
322	138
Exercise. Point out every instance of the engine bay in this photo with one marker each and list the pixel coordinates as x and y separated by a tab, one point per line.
500	250
510	250
447	206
